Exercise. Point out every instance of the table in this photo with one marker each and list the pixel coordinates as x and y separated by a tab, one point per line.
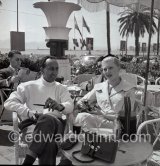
74	90
74	87
152	88
136	153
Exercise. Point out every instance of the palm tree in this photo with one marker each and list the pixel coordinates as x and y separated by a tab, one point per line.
137	23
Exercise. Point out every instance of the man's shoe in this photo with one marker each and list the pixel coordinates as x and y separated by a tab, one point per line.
68	143
66	162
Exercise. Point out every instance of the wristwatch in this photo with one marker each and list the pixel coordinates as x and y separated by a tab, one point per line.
61	108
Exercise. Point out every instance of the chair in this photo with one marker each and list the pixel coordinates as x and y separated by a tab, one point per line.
28	76
20	148
153	138
141	80
154	107
134	78
82	77
139	110
130	120
4	93
157	81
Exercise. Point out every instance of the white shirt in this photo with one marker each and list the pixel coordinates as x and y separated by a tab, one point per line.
37	92
111	103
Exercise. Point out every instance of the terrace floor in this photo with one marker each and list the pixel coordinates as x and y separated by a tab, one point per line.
7	148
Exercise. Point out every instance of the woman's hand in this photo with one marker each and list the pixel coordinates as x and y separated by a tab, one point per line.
82	105
15	79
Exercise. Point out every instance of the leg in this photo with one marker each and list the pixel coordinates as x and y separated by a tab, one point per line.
43	145
48	155
88	121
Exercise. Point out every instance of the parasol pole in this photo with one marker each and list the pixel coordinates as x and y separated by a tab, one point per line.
108	26
74	47
158	33
74	26
148	53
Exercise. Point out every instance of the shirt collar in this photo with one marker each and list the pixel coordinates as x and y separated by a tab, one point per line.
124	85
12	68
44	82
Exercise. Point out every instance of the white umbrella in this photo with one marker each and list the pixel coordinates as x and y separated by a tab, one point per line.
100	4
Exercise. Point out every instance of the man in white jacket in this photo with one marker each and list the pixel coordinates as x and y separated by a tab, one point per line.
55	96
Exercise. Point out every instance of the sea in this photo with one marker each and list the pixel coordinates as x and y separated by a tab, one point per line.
75	53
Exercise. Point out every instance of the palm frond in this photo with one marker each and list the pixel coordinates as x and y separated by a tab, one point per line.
130	19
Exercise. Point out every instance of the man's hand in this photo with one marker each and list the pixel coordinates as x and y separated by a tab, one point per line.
52	104
89	86
15	79
31	115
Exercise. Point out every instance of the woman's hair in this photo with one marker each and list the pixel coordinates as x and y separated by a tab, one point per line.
115	59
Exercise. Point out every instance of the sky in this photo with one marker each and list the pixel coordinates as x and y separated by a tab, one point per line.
32	21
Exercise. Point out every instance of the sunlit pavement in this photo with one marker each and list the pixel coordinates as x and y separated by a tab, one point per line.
7	148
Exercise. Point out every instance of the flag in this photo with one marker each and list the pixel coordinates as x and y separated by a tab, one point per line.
75	42
154	47
83	42
122	45
76	26
143	47
84	24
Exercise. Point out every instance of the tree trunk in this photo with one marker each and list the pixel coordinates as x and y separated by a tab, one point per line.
137	38
108	28
136	46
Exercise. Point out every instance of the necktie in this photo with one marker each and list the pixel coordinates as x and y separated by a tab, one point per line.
16	83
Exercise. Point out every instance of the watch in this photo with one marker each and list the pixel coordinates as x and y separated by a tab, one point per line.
61	108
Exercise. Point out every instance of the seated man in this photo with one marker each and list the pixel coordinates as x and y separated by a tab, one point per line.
109	95
9	76
56	97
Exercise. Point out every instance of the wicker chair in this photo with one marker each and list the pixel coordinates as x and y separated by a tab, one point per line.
4	93
20	148
154	132
157	81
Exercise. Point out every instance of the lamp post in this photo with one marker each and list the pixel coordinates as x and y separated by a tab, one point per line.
17	17
57	14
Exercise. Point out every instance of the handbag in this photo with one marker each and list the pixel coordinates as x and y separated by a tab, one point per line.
97	146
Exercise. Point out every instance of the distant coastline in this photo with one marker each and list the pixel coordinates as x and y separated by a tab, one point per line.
43	52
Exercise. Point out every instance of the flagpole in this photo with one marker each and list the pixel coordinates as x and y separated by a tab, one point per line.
108	26
74	33
74	26
82	32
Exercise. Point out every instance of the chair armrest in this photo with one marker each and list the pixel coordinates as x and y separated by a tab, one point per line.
142	125
15	121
